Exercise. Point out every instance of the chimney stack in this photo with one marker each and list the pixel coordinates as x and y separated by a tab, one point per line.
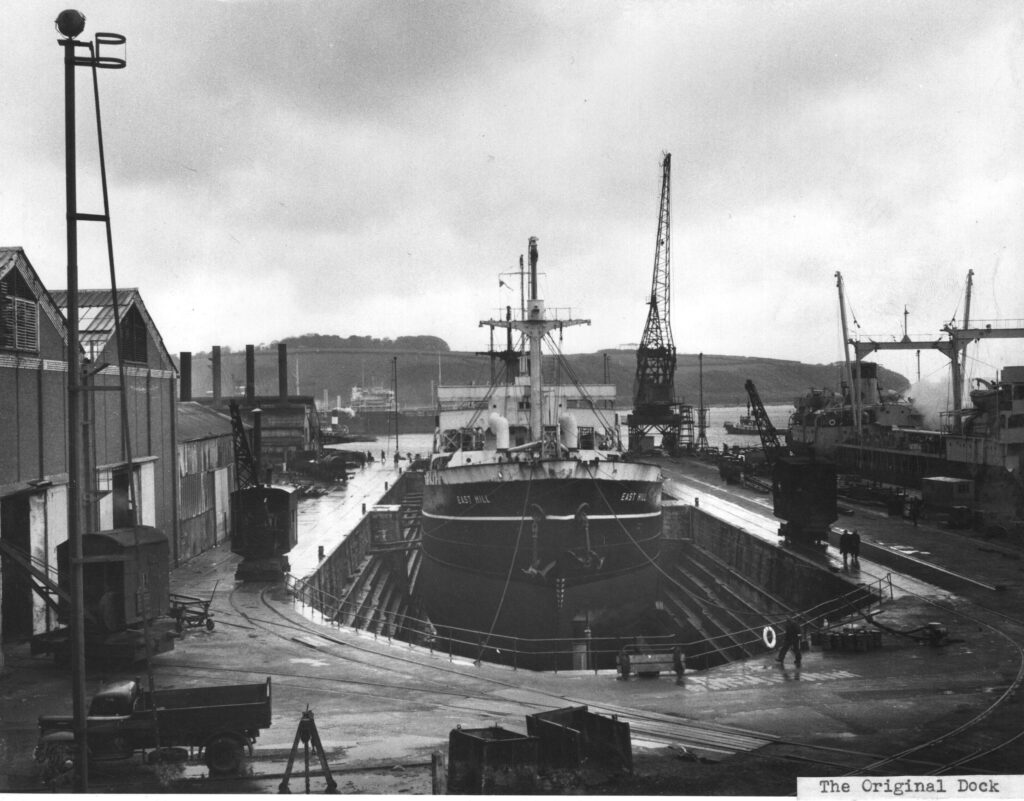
282	370
215	358
185	387
250	372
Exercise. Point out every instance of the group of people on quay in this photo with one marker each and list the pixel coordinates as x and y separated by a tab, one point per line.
849	547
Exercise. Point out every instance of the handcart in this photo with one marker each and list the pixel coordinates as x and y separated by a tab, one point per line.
188	610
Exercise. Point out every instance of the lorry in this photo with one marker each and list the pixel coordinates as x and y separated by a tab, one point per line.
123	719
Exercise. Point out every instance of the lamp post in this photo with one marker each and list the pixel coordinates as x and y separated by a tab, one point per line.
70	24
394	384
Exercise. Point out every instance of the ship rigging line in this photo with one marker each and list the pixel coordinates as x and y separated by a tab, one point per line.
485	402
511	565
557	351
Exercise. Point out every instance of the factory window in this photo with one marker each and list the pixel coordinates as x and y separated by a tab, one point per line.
133	337
19	314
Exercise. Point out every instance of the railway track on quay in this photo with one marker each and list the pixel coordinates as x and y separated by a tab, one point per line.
962	747
970	746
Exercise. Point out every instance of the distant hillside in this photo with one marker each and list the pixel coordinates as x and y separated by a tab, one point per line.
340	364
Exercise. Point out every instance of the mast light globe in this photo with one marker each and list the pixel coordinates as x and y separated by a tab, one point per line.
70	23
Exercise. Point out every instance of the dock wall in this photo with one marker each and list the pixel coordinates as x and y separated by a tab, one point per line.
341	565
763	573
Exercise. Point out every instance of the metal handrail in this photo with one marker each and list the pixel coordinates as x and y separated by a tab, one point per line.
597	650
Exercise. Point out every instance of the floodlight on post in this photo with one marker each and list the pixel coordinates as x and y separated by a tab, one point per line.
70	24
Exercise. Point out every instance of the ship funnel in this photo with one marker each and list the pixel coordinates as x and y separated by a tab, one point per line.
866	376
499	426
570	431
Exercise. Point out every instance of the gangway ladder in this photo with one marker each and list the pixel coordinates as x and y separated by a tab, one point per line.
306	733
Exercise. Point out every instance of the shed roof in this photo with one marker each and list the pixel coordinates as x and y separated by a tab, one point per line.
197	421
129	536
96	316
14	258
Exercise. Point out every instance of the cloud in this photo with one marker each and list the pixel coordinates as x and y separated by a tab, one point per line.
279	166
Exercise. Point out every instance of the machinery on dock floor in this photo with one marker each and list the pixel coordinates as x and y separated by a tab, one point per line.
125	591
803	487
264	517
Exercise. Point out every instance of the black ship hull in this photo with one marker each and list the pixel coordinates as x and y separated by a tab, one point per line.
540	550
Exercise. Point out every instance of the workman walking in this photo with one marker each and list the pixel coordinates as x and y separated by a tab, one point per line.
678	664
855	548
844	545
790	639
915	510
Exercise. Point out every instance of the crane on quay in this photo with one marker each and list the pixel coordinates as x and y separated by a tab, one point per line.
803	487
655	408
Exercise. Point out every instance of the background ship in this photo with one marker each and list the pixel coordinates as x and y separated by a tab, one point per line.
372	413
746	427
823	419
968	471
534	526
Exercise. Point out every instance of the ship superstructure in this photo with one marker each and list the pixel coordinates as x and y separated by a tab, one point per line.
534	525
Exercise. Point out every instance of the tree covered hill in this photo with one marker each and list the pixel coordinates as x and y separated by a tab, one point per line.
336	364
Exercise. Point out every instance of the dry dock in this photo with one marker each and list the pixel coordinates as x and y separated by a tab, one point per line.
751	727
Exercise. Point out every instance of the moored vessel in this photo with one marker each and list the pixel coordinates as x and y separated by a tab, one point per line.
968	470
746	427
823	419
535	527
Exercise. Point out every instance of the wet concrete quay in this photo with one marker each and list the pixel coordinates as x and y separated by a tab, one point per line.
383	708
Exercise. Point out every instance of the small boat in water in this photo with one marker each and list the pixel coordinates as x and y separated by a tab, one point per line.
534	524
746	427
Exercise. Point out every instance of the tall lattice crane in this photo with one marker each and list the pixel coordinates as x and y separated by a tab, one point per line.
654	401
656	356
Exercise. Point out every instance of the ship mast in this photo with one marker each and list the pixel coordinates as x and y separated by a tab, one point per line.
854	391
534	325
960	375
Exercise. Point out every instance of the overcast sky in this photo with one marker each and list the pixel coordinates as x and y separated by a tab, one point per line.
277	168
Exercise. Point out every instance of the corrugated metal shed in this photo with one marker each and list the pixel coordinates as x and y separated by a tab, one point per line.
196	421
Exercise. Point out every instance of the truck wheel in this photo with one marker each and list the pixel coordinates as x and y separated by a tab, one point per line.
209	624
58	762
224	754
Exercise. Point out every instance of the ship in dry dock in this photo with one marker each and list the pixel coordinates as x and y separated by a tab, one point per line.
534	525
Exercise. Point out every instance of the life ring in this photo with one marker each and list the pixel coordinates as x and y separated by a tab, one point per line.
768	635
831	421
